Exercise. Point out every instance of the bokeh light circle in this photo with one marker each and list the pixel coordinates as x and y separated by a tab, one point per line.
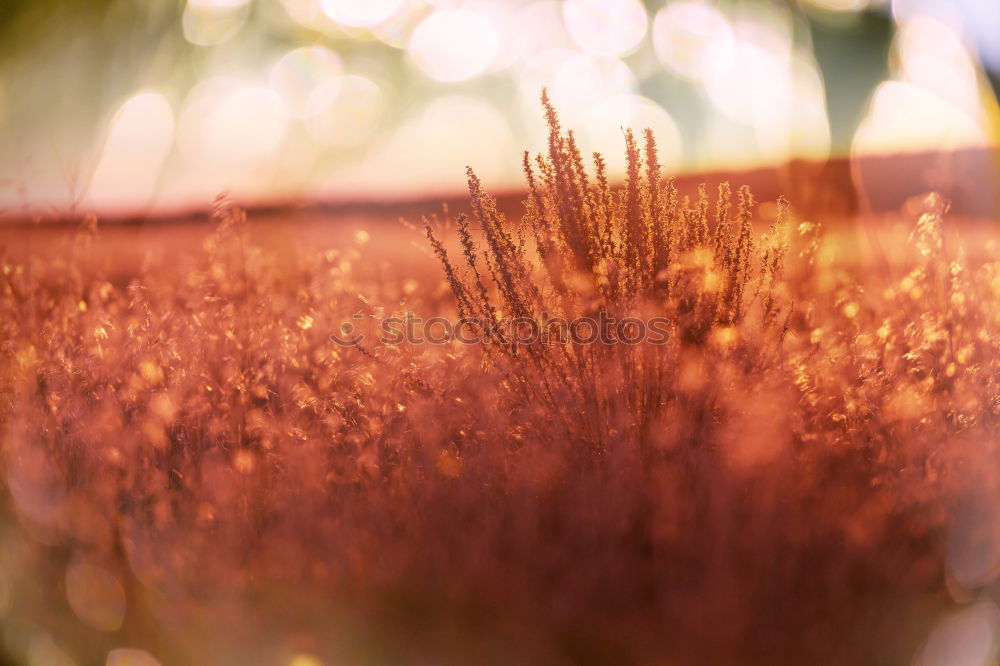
454	44
840	5
308	14
95	595
248	124
396	30
212	22
607	120
967	637
575	82
582	80
299	72
538	27
43	651
130	657
360	13
457	130
942	10
691	38
932	55
344	111
755	84
229	136
606	27
905	118
141	136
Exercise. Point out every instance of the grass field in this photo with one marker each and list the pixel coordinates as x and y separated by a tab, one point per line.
805	471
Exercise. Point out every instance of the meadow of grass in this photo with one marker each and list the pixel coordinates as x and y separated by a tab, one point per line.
805	473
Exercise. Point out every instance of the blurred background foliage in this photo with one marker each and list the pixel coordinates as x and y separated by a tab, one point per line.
124	105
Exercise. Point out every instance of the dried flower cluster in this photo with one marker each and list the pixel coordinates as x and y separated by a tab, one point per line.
642	250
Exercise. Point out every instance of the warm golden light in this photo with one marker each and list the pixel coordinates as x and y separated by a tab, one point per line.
934	101
411	332
907	118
